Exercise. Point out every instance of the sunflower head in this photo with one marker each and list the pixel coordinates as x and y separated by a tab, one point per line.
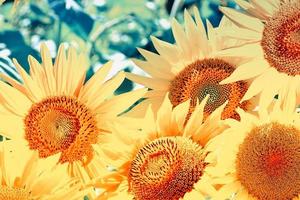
190	69
269	37
59	113
27	181
281	39
202	78
59	124
260	156
270	150
174	164
168	158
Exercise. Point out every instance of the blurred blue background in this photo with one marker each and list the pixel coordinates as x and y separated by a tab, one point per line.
103	29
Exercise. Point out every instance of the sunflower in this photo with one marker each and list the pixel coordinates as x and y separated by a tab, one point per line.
24	176
55	111
258	157
165	159
270	32
189	69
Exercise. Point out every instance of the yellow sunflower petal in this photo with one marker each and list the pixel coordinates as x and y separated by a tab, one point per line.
247	21
154	70
120	103
8	128
93	83
154	58
246	71
97	95
197	115
60	72
164	116
8	93
166	50
180	38
48	66
33	89
255	87
59	115
159	84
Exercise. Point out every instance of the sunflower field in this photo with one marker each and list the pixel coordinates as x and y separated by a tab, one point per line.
150	100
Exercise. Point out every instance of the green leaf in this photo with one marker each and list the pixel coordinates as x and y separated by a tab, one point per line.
14	41
78	21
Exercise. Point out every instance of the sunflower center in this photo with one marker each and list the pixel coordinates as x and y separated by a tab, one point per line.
202	78
8	193
268	162
166	168
61	124
281	39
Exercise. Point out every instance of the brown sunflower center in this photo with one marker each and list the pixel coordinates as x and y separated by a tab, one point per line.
61	124
281	39
202	78
166	168
8	193
268	162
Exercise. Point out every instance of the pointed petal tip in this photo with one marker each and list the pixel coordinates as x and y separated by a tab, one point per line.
245	98
208	23
43	46
140	49
62	45
61	48
15	60
195	9
204	101
30	57
186	12
121	73
174	23
152	37
226	81
223	82
17	64
155	40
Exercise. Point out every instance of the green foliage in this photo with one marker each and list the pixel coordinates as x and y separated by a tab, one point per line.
103	29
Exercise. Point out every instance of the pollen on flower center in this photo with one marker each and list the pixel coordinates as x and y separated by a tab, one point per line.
202	78
61	124
8	193
166	168
268	162
281	39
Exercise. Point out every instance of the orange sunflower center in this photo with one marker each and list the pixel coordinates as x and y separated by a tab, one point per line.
61	124
268	162
8	193
166	168
202	78
281	39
